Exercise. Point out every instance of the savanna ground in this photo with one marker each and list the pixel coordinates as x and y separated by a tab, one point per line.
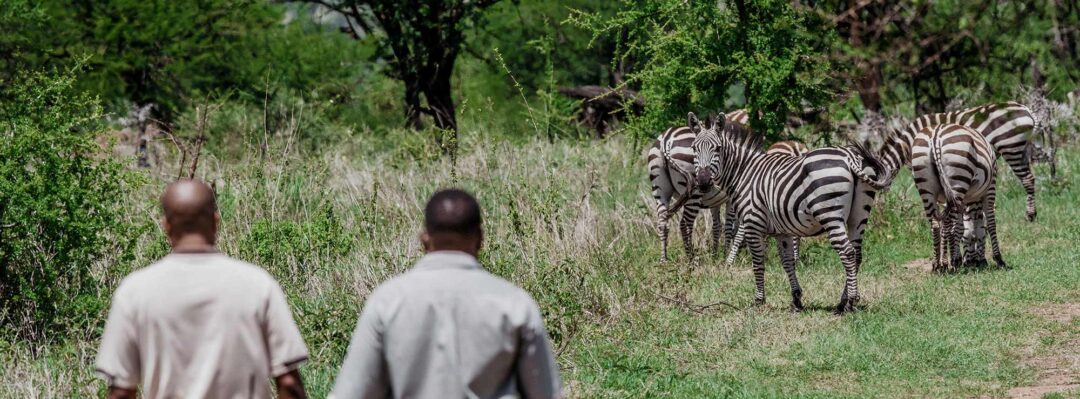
571	221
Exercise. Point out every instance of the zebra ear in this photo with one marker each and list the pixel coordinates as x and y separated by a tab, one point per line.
721	121
693	123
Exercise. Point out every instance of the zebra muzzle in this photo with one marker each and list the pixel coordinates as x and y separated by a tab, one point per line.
703	179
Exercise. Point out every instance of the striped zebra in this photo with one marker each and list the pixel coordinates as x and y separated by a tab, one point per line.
789	148
954	165
670	162
827	190
1006	126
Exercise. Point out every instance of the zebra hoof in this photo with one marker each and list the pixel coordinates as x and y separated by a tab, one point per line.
758	302
1000	262
845	306
1031	216
796	301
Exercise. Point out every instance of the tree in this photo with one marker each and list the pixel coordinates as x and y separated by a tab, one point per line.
697	56
58	204
424	39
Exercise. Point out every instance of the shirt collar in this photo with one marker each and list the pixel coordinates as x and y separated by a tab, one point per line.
447	260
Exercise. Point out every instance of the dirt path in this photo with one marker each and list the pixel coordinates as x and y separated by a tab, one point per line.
1057	368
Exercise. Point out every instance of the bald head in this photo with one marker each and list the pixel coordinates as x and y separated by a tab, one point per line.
190	212
452	221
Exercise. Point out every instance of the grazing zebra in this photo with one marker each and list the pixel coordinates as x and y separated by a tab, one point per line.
671	163
954	165
827	190
1006	126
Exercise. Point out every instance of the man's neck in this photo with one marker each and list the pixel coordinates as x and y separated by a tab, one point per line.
192	244
467	251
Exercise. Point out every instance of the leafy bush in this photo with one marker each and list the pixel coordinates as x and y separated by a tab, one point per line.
58	202
692	56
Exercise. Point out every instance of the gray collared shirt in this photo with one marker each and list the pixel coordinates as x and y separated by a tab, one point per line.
448	329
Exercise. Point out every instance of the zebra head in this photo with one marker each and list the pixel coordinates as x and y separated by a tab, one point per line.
706	142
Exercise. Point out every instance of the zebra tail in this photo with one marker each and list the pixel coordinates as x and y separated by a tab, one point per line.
939	166
856	166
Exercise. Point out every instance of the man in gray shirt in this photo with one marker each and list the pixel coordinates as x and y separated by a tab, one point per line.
448	328
197	323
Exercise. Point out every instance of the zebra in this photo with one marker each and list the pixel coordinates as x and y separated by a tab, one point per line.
670	164
954	165
1006	126
789	148
827	190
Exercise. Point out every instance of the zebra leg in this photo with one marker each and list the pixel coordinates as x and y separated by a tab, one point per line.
686	224
756	244
662	229
786	247
952	220
730	225
934	216
717	229
969	236
1021	167
991	227
856	222
736	242
795	250
974	236
838	237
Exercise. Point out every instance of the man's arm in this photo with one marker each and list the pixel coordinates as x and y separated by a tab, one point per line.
537	371
290	386
286	347
363	373
121	393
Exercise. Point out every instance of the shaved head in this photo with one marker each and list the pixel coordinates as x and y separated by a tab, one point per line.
452	221
190	211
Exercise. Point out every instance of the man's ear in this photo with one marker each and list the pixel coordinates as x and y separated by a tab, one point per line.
425	241
693	123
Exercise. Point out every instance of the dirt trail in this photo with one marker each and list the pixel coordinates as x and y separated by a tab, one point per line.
1057	369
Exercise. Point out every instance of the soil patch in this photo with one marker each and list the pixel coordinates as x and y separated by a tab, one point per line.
920	265
1057	369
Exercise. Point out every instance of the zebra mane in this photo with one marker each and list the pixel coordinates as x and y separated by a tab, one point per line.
741	136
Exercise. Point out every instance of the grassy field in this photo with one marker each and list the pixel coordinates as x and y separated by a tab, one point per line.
572	222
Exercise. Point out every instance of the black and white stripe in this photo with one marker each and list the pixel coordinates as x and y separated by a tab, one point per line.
671	162
1006	126
954	165
826	190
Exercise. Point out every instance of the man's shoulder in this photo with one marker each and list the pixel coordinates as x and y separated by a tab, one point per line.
223	266
475	280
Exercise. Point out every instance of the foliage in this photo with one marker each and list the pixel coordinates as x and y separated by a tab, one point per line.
165	52
511	26
57	205
421	43
21	22
923	54
690	55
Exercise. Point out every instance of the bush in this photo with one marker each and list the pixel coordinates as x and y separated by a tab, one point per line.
697	56
58	202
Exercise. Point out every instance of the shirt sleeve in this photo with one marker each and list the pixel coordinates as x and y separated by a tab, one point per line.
118	360
537	371
364	372
283	341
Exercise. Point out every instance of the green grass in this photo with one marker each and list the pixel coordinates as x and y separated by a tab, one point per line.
572	223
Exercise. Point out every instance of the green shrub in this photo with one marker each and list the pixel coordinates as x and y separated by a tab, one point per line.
58	203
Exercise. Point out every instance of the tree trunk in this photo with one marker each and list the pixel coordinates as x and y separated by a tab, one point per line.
441	101
413	108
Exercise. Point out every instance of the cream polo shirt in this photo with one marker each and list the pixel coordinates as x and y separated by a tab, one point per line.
199	326
448	329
